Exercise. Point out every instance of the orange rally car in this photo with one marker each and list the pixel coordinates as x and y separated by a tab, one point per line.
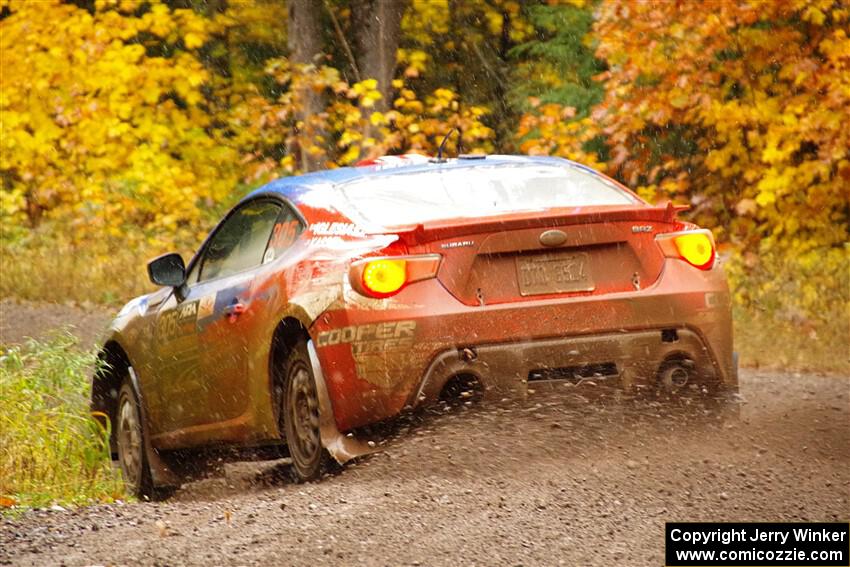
337	299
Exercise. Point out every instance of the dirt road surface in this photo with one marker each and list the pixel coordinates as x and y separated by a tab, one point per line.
564	478
22	320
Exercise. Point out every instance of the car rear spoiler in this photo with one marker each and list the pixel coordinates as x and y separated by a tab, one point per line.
437	230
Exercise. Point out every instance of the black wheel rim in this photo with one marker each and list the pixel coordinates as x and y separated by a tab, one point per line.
130	441
302	418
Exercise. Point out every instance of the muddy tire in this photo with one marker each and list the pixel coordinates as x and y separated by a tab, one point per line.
130	441
300	414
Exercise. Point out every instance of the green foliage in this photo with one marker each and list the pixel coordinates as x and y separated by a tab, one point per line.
557	64
52	451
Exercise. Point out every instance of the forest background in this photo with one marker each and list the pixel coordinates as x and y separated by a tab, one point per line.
127	127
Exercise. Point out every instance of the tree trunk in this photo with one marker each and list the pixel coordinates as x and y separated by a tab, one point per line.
377	25
304	39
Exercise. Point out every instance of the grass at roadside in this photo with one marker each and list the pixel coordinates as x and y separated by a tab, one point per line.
55	270
792	312
763	341
51	450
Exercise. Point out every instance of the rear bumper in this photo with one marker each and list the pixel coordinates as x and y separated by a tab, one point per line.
628	359
380	356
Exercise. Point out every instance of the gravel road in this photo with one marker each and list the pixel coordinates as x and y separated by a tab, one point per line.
570	477
21	320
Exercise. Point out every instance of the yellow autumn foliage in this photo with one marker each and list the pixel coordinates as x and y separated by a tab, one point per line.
121	130
348	130
98	132
740	110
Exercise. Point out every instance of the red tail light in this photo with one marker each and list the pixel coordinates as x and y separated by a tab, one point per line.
696	247
386	276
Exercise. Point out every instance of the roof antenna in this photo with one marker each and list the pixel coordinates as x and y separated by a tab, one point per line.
440	158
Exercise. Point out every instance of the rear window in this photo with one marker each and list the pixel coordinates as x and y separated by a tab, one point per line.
413	198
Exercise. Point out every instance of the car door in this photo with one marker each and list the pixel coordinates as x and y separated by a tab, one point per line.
229	369
174	373
204	335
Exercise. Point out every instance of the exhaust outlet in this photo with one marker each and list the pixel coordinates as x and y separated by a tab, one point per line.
675	374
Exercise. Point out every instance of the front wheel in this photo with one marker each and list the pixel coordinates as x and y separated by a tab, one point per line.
300	413
131	444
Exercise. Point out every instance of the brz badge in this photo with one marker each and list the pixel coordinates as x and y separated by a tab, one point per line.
641	228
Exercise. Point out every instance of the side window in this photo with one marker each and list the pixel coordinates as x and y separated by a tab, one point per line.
240	242
285	232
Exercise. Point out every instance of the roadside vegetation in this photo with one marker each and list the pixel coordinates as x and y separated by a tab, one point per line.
52	268
793	313
51	449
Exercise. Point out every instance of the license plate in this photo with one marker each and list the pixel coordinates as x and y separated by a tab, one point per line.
554	273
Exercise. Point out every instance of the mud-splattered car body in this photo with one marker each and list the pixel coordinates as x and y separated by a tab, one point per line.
502	294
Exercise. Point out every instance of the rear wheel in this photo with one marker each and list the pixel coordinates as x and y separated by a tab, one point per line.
130	438
300	414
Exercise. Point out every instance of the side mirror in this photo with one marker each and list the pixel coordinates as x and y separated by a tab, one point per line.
167	270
